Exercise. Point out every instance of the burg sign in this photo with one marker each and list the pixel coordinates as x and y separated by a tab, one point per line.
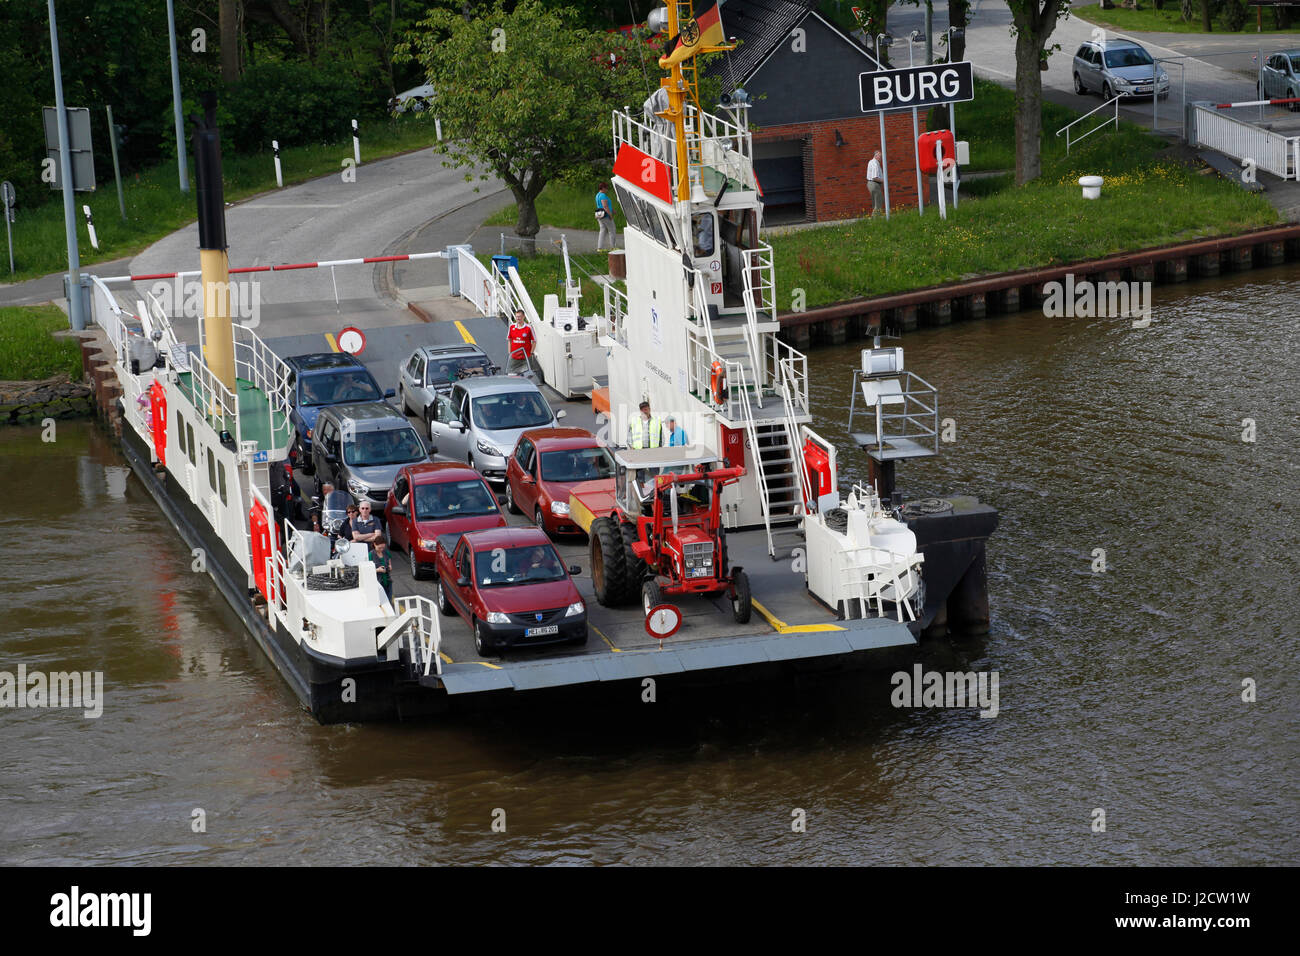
919	86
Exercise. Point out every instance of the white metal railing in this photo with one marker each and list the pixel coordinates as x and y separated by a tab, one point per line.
110	317
1270	151
257	364
653	142
701	303
213	400
162	322
476	282
876	582
717	142
700	360
518	293
919	416
760	276
789	365
750	333
424	632
1114	119
616	306
785	386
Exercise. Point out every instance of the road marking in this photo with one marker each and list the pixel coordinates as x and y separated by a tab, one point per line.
616	650
329	337
781	627
464	332
445	658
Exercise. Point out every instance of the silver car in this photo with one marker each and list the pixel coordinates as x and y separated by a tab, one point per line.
1279	77
1118	67
480	421
361	447
436	368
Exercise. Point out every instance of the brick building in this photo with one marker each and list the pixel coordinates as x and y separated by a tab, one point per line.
812	142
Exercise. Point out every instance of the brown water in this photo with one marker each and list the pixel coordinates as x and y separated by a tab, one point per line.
1118	691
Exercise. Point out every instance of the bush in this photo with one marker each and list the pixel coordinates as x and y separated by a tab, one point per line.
294	103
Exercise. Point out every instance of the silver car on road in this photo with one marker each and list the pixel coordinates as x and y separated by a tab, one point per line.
434	369
1279	77
481	419
1115	66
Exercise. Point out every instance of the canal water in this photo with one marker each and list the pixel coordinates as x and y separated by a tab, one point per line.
1120	692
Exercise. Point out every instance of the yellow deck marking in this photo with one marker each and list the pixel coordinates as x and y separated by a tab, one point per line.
495	667
781	627
329	337
616	650
445	659
464	332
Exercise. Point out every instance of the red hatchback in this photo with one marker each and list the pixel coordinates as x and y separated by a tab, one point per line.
546	465
450	498
511	587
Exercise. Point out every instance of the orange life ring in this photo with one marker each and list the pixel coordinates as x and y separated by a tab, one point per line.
718	382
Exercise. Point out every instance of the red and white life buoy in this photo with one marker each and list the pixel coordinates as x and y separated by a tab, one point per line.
718	383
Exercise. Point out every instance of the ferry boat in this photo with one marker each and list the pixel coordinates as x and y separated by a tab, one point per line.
836	576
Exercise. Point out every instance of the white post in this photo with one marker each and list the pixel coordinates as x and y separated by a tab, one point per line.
939	170
90	226
437	127
884	161
275	148
356	143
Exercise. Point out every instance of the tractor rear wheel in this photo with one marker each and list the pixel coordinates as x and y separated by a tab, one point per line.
742	604
608	569
636	568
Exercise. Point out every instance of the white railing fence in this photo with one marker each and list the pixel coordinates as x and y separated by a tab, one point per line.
616	306
1112	120
1270	151
424	632
476	282
255	362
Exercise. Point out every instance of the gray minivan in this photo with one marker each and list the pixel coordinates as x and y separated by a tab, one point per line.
361	447
482	419
1115	66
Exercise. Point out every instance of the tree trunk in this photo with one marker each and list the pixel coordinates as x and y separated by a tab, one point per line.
1029	107
1206	23
526	203
228	26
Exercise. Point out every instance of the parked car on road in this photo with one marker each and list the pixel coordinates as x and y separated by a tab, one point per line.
362	448
547	464
1279	77
319	380
432	369
436	498
511	587
481	420
415	100
1116	66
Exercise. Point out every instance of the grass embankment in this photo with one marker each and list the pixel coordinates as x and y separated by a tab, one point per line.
1146	201
155	206
1169	20
29	352
562	206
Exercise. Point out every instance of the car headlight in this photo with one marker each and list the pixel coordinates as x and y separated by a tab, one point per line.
577	607
428	544
357	488
487	448
496	617
559	507
1163	78
1120	81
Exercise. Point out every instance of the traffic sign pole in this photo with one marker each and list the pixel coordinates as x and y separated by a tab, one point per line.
75	314
117	172
7	195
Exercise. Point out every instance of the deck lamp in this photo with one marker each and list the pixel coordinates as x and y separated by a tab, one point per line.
839	140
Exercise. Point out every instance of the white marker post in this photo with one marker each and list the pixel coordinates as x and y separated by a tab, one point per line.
356	143
884	161
437	128
90	226
942	177
275	149
7	195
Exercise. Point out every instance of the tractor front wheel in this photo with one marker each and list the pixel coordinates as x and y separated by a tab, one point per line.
608	569
651	595
742	602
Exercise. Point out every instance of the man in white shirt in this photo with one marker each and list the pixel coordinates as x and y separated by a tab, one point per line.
876	182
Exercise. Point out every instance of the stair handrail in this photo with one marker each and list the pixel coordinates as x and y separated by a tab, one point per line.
426	642
1114	101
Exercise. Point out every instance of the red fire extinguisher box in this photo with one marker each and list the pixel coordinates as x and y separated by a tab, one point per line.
925	149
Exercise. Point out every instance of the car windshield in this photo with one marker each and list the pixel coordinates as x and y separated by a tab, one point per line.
453	499
1127	56
505	410
529	565
392	446
444	370
338	387
577	464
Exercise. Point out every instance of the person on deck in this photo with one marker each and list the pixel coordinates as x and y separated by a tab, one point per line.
365	527
607	239
646	431
674	436
521	340
383	566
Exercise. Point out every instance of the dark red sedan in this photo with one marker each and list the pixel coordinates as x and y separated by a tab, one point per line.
511	587
449	498
546	466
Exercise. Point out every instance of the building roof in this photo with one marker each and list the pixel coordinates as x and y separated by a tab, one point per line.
759	25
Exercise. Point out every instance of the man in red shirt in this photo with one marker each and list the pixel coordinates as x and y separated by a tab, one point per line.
521	344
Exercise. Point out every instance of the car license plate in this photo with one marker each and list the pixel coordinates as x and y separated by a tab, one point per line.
698	573
542	631
1144	89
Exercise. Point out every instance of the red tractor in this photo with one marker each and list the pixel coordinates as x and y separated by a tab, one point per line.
663	537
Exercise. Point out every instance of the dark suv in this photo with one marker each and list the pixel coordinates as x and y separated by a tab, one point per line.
362	447
318	381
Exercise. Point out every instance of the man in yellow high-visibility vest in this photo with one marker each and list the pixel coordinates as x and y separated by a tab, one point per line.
646	431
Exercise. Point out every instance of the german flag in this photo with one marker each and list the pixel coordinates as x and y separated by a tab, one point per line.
697	34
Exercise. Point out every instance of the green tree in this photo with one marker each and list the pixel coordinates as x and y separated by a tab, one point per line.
1032	23
527	93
